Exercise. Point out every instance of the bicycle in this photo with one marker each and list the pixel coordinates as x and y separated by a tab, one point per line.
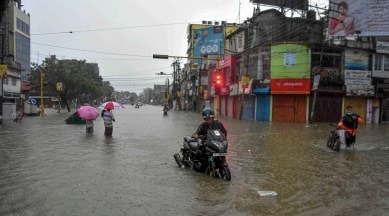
335	138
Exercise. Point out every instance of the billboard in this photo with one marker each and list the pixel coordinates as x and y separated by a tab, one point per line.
358	17
294	4
208	41
357	76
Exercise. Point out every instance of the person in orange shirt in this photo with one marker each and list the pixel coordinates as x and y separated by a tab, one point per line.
349	122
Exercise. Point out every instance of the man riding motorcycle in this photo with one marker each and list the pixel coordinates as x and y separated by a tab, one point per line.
349	122
209	123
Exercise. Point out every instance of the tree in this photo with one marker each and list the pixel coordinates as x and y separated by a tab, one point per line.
80	80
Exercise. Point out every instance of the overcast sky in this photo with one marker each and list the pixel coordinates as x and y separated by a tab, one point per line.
122	35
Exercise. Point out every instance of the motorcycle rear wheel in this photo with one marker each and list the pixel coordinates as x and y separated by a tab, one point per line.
177	157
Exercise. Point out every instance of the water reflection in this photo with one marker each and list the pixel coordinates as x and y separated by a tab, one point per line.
50	168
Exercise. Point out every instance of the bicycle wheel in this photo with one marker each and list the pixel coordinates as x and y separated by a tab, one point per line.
330	140
337	145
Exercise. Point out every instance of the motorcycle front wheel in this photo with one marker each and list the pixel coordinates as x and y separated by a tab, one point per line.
223	173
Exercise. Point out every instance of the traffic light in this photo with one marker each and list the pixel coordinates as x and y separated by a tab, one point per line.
218	80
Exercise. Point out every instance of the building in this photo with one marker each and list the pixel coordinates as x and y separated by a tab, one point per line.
15	55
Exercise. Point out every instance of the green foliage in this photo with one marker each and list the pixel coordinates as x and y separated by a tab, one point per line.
80	80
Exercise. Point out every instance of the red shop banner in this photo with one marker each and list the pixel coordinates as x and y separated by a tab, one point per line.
290	86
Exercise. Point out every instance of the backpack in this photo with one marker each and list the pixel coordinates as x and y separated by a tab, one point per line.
102	113
349	122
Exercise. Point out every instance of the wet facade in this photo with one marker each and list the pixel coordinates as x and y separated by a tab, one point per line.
352	72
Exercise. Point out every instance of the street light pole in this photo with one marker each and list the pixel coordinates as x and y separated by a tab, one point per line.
42	107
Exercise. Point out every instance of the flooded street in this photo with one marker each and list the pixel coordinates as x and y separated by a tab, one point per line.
48	167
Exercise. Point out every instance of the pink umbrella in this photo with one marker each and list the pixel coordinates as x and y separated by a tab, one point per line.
88	113
111	105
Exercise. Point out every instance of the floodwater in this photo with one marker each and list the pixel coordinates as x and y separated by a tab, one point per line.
48	167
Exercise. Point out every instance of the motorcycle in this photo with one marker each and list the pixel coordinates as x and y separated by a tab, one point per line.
206	155
165	109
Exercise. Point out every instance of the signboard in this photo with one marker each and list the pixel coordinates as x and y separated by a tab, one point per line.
247	87
290	86
208	41
356	60
360	90
245	81
316	81
294	4
357	77
382	47
3	70
362	17
226	61
59	86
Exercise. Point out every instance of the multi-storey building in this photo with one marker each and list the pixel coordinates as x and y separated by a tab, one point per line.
15	54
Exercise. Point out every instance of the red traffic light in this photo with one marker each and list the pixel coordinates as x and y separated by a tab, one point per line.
218	80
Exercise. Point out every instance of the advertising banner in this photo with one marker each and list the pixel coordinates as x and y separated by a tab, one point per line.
356	60
360	90
382	47
208	41
357	77
226	61
358	17
290	86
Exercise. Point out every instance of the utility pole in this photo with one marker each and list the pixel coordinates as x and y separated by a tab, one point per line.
42	106
247	62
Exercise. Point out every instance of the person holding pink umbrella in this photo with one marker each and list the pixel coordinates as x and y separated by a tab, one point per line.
88	113
108	118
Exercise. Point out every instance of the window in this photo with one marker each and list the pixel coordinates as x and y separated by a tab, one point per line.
289	59
18	24
240	41
381	63
13	81
228	75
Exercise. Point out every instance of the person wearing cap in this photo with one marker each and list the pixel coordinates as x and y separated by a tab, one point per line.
209	123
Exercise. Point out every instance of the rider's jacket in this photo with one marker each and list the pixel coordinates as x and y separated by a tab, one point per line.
204	127
349	123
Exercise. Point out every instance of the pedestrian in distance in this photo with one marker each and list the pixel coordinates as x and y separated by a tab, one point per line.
108	118
89	126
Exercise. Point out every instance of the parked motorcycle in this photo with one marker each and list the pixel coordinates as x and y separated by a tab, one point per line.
206	155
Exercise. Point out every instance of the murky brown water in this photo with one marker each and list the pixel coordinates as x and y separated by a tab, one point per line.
51	168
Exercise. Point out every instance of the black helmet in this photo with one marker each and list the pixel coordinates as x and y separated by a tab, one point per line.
208	113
